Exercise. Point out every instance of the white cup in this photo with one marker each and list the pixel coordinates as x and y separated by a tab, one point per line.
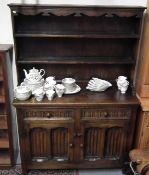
60	89
69	84
50	78
39	97
50	94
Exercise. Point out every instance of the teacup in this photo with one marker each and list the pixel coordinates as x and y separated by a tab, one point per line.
69	84
50	94
39	97
39	94
50	78
60	89
49	86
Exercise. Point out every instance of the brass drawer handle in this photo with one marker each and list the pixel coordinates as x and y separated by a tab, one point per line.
49	115
71	145
106	114
81	145
79	134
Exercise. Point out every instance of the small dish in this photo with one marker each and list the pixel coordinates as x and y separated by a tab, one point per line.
77	89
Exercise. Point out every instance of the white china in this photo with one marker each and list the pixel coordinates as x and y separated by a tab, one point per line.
49	85
60	89
77	89
34	75
50	78
31	85
96	84
22	93
39	91
39	97
50	94
122	84
69	84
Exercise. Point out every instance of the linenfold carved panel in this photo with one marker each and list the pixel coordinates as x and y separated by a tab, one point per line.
51	113
49	143
104	143
115	142
94	140
119	113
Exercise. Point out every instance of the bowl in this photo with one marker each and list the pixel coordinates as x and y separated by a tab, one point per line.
22	93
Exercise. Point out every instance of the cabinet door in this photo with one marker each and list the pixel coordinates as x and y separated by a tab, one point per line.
47	141
104	141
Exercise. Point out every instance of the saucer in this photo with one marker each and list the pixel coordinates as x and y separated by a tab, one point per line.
73	92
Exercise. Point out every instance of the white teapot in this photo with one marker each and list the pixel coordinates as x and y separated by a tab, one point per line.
34	75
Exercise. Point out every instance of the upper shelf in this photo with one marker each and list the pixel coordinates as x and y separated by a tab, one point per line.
75	60
76	35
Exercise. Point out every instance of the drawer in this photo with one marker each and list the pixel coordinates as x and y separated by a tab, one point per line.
54	113
106	113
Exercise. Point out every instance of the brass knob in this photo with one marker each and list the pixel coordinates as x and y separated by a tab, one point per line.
81	145
74	134
49	115
105	114
70	145
79	134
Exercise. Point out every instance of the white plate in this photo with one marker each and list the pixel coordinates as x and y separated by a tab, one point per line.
78	89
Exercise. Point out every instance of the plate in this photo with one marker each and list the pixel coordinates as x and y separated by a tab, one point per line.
73	92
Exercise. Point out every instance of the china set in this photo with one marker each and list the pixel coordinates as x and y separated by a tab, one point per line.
34	84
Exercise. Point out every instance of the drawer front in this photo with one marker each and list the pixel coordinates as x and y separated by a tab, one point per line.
54	113
106	113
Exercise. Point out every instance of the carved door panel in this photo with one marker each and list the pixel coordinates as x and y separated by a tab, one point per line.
102	140
48	141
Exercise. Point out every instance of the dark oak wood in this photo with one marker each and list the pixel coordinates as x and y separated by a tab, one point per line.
8	132
87	129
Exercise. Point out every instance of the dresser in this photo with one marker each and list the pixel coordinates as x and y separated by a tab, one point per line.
8	130
86	129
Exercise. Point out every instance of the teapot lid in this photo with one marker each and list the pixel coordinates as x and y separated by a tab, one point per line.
33	70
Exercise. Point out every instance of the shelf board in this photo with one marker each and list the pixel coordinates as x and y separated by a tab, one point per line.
78	35
2	99
76	60
4	143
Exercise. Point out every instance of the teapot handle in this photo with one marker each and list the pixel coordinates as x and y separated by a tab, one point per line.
42	70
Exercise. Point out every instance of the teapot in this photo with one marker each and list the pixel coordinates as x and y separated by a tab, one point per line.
34	75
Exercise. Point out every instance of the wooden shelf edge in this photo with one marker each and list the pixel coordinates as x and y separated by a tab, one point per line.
79	35
76	60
